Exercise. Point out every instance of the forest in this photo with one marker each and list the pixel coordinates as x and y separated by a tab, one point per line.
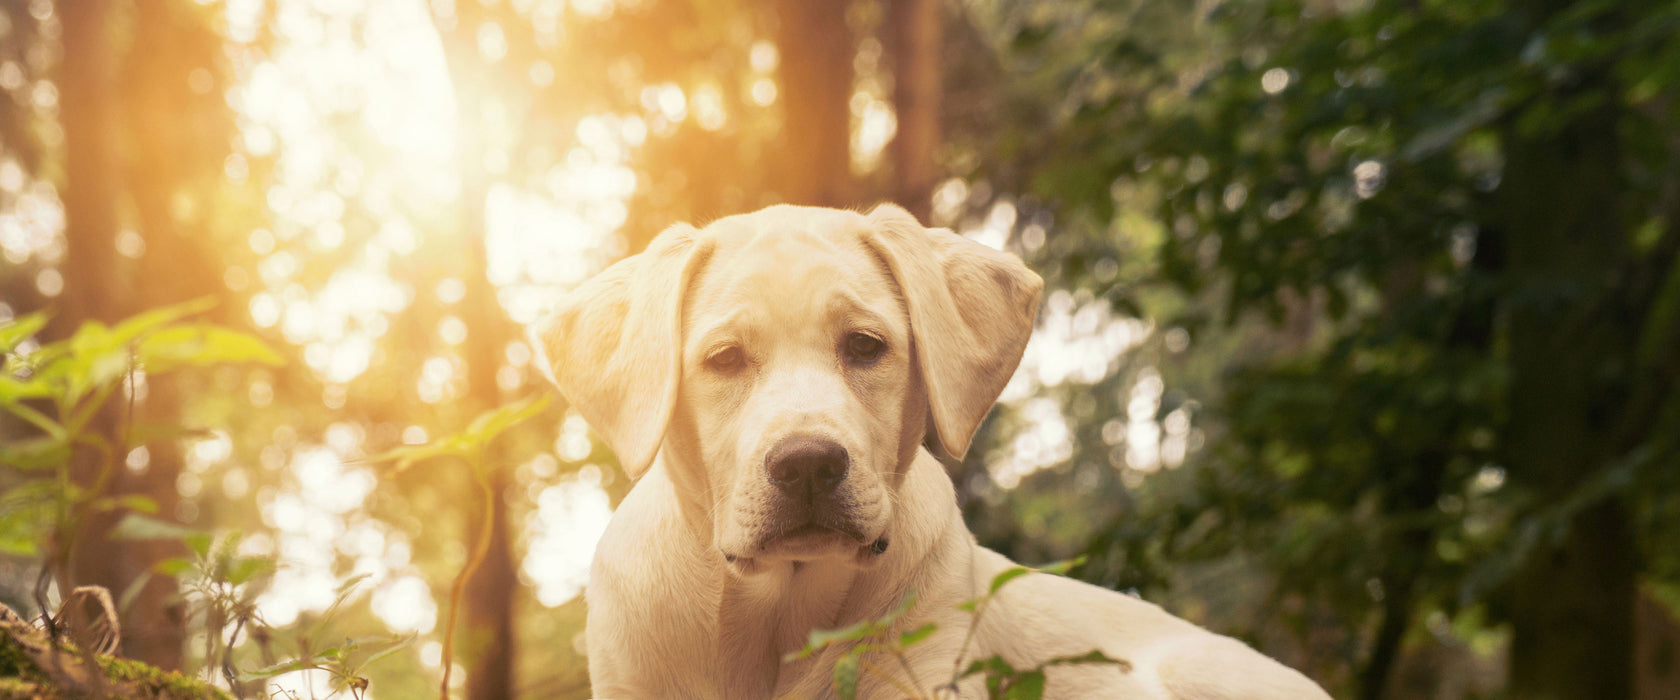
1360	338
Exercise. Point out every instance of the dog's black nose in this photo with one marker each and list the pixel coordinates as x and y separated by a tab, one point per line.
805	466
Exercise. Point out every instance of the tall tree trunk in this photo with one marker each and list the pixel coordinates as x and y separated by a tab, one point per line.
95	281
492	594
87	89
816	48
489	644
176	140
915	42
1571	604
1408	553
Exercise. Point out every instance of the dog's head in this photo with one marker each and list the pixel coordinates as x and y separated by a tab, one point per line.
790	362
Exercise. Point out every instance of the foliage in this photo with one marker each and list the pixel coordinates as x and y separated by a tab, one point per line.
1319	199
343	662
882	636
76	378
469	445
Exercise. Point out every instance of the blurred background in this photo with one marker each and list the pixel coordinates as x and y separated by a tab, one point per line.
1360	340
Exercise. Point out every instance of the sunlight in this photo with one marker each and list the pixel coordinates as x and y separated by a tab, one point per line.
396	161
1078	341
569	519
313	525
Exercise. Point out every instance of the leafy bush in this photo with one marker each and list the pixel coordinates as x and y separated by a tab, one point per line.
873	637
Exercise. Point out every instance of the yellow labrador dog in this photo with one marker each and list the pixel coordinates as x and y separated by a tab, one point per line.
771	379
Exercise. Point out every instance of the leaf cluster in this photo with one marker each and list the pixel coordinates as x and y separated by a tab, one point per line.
882	636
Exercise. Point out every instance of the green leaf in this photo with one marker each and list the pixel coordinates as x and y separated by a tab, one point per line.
915	636
401	458
128	501
35	454
244	569
348	585
990	666
150	432
864	629
846	674
1008	575
279	668
340	595
94	357
821	638
46	425
17	330
492	423
1061	568
13	390
133	327
26	515
1094	656
126	601
1028	685
135	526
394	645
484	428
202	345
175	566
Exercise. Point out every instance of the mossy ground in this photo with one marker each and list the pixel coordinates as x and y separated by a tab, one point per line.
20	679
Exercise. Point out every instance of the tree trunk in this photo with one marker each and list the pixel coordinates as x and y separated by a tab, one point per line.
816	48
176	140
96	289
492	592
87	88
487	638
915	41
1571	603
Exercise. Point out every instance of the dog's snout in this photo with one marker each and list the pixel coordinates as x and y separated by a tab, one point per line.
803	466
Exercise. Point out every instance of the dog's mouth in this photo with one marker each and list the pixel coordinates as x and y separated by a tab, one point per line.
814	536
810	540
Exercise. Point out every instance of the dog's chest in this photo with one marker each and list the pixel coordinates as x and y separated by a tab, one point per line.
767	617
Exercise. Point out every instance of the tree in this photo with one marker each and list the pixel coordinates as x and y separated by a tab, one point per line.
813	164
96	289
1451	194
916	31
176	131
492	593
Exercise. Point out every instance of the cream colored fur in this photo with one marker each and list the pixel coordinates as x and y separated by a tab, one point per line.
698	590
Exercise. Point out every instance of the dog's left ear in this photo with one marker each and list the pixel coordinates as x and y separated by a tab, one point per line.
612	345
971	313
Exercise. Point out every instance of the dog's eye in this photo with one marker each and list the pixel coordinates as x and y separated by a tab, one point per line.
726	360
862	347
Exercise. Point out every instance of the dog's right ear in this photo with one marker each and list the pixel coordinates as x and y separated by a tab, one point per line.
613	345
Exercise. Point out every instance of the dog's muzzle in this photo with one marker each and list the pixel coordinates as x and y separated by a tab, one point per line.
807	469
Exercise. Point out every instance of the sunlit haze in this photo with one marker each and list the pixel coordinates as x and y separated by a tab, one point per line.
352	106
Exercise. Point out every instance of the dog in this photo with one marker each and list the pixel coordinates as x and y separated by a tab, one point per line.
777	383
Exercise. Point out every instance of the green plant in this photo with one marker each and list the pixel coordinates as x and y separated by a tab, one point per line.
343	662
220	588
469	445
1002	679
59	389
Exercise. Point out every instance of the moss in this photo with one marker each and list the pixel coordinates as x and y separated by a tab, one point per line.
21	679
19	689
12	661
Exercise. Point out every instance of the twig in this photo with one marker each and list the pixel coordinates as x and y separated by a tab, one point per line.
908	692
479	551
905	664
973	623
